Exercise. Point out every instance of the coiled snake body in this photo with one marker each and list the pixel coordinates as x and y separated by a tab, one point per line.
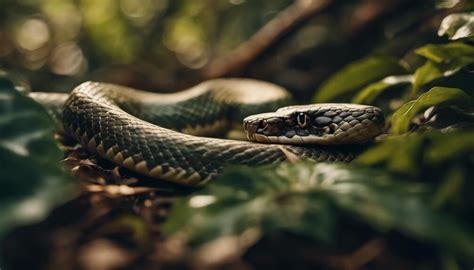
144	132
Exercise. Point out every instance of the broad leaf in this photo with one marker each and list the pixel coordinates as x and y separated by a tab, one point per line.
357	75
32	181
411	153
450	146
437	96
441	4
372	91
456	53
396	154
442	160
309	199
457	26
443	61
426	73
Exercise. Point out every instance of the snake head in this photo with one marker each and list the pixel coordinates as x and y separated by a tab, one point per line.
316	124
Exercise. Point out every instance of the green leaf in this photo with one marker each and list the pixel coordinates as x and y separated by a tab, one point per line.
450	146
251	205
455	53
443	61
32	180
457	26
372	91
426	73
414	152
357	75
449	188
310	199
397	154
439	96
442	4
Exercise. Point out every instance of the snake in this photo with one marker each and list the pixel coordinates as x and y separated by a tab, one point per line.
174	136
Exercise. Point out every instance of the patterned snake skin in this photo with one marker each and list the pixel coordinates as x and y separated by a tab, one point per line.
133	128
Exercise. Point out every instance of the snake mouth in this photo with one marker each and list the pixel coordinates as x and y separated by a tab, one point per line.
261	128
262	135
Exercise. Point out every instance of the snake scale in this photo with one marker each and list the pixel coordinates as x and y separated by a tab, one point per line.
160	135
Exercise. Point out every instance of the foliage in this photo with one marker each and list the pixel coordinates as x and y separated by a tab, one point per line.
446	3
414	180
368	94
309	200
32	181
458	26
437	96
357	75
414	153
442	61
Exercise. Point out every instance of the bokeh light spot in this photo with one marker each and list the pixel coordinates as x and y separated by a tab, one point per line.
67	59
32	34
139	12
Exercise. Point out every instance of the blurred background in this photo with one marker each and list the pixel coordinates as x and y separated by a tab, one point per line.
163	45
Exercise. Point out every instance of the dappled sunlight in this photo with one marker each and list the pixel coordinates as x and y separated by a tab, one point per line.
201	201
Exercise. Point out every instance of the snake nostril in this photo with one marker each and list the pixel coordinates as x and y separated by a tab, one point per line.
252	126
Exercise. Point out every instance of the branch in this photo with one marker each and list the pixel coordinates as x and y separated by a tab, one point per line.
284	23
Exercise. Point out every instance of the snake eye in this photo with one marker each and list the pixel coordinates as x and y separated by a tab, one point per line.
302	119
